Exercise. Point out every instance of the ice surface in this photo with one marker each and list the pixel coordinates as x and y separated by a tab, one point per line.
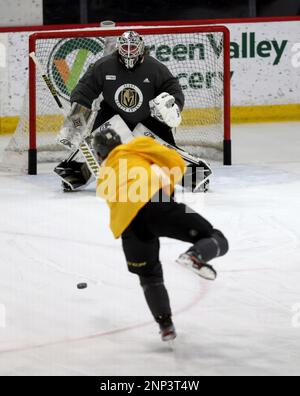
242	324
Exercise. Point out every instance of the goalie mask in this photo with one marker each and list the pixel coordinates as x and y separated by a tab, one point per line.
104	142
131	49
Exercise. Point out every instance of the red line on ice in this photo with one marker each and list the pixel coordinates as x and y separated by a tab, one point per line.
200	296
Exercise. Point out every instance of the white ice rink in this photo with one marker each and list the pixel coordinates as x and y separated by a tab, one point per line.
245	323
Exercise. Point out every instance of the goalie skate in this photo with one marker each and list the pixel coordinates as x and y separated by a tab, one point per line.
193	263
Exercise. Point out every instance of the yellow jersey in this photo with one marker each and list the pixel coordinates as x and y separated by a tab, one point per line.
132	174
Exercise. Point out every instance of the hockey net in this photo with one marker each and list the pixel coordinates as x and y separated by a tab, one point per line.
198	56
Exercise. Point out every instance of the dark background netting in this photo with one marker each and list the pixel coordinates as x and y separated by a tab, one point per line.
76	11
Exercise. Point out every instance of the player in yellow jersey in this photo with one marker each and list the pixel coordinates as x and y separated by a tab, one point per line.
137	180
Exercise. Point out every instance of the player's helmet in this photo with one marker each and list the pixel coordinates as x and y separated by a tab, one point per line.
104	142
131	49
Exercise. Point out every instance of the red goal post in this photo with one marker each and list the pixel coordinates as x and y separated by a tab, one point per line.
185	58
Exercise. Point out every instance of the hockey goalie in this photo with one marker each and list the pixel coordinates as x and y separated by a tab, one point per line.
133	88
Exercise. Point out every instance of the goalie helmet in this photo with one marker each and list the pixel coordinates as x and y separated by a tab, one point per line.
104	142
131	49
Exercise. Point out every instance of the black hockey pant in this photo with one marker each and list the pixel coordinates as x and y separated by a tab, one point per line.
141	245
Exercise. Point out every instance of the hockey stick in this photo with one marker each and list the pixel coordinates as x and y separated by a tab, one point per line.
47	81
141	130
186	156
191	160
84	149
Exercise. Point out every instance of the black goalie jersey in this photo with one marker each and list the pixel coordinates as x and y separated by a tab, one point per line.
128	92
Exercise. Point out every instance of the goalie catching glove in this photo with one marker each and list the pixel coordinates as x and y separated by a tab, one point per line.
74	128
165	110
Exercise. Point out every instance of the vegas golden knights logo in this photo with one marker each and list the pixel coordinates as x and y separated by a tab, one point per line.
129	98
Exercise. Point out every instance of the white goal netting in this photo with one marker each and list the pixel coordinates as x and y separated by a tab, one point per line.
195	58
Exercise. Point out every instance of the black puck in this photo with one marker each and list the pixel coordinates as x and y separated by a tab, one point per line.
82	286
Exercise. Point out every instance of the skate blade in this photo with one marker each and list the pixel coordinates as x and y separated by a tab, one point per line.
169	338
172	344
206	271
169	335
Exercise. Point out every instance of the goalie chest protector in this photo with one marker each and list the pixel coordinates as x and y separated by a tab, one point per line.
127	92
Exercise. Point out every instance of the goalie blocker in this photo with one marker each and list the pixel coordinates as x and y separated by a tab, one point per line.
78	174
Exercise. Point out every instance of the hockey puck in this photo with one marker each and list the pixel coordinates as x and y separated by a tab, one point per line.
82	286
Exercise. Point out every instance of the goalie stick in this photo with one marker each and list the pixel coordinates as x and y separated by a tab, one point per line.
141	130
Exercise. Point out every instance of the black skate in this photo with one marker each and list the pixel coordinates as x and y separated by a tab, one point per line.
191	261
167	328
66	187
